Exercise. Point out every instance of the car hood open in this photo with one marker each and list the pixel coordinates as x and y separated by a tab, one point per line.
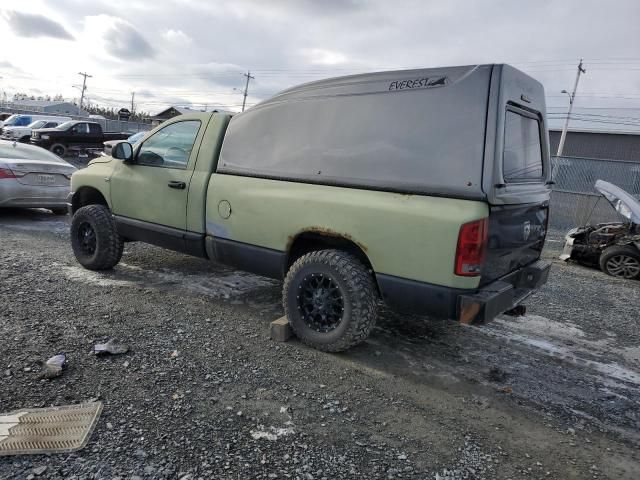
623	203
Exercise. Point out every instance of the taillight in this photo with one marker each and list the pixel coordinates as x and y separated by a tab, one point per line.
470	253
6	173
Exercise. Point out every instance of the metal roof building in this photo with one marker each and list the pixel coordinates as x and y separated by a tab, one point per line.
168	113
598	144
52	107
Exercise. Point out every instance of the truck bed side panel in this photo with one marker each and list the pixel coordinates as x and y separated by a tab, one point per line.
407	236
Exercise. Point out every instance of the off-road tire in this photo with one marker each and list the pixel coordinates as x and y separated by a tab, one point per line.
617	254
25	139
58	149
108	243
59	211
359	294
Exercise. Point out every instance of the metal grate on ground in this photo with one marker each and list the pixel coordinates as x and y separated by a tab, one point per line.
48	430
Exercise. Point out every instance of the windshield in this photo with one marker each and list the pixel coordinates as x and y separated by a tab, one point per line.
65	125
37	124
135	138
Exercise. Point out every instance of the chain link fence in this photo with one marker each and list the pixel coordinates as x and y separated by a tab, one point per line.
574	200
107	125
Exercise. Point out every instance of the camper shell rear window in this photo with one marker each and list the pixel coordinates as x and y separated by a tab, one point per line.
522	153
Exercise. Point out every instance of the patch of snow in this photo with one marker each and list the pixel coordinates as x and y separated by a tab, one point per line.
272	434
539	333
80	274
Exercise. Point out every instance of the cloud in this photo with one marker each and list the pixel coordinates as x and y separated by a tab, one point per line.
197	50
124	41
319	56
33	25
119	37
177	37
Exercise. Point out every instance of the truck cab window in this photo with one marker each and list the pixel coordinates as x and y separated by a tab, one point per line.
522	157
94	128
79	128
171	146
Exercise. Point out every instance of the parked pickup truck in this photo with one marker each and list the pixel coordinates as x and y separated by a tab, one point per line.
427	189
23	134
75	135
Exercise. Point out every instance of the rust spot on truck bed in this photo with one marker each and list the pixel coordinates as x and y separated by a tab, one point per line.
329	233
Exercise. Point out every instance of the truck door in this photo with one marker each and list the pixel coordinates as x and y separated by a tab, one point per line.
78	134
95	136
152	190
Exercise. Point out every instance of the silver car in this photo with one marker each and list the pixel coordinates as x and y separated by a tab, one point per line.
33	177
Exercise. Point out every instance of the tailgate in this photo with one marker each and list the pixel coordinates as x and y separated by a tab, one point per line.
516	237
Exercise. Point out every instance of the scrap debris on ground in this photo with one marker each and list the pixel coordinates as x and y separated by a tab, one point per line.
111	347
53	367
206	393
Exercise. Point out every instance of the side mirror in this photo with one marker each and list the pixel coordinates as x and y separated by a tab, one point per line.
123	151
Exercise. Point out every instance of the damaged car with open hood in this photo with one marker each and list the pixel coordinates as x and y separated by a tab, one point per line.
615	246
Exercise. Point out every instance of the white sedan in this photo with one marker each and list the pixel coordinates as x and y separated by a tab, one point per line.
33	177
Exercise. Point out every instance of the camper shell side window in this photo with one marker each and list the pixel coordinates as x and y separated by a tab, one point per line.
522	159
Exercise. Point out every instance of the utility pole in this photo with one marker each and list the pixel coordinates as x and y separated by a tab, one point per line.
133	96
84	86
246	88
572	97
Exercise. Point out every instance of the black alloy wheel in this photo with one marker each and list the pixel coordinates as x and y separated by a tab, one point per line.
320	302
87	238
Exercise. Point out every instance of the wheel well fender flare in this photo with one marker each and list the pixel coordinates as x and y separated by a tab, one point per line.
315	239
87	196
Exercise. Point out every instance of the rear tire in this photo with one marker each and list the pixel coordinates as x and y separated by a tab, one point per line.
58	149
330	299
621	261
94	238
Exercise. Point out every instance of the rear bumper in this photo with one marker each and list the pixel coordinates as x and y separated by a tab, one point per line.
502	295
14	194
467	306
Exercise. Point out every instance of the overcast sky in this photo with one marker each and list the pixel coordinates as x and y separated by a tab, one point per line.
193	52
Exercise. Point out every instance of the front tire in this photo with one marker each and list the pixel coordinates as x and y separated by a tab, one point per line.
58	149
330	299
94	238
621	261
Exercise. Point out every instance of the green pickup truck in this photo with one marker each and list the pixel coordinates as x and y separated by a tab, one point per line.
426	189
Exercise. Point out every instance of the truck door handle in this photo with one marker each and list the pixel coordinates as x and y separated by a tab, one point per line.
178	185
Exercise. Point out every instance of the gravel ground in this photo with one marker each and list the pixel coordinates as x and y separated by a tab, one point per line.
204	393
